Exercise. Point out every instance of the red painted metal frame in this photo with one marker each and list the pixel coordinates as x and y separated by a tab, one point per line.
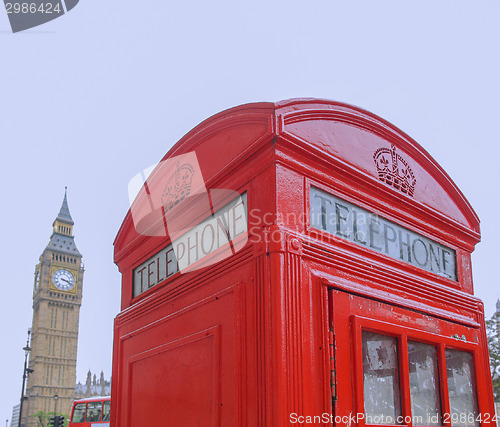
274	337
347	314
404	333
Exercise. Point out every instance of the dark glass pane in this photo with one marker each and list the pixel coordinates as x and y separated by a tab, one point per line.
79	413
461	388
424	384
380	379
94	411
106	410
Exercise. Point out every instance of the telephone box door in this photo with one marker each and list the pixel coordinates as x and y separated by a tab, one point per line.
404	367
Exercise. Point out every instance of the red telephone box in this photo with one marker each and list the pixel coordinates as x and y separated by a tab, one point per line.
299	263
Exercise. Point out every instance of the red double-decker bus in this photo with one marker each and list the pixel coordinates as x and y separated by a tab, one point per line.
93	411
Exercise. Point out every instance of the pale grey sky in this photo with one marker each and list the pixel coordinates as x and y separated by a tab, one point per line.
94	97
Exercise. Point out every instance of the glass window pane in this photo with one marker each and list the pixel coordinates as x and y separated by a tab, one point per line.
461	388
424	384
380	379
79	413
106	410
94	411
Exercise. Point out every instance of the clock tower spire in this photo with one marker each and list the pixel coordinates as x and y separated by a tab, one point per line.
64	215
57	297
62	239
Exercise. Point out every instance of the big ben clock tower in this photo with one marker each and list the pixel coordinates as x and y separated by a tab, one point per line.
57	297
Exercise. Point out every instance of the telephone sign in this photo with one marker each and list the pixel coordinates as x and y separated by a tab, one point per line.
348	221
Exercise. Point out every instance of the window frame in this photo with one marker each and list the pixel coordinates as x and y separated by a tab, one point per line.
106	403
100	412
84	413
403	335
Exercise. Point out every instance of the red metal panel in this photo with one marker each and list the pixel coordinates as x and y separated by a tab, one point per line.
180	364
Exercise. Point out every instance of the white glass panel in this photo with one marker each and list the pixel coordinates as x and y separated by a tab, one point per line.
424	384
461	388
380	379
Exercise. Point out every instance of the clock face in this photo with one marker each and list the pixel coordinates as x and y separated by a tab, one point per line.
37	280
63	279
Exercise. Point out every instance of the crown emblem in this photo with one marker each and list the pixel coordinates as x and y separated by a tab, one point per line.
394	170
178	186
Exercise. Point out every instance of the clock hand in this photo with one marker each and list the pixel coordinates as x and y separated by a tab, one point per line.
62	278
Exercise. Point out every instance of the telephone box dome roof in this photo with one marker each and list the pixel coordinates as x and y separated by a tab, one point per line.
345	138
